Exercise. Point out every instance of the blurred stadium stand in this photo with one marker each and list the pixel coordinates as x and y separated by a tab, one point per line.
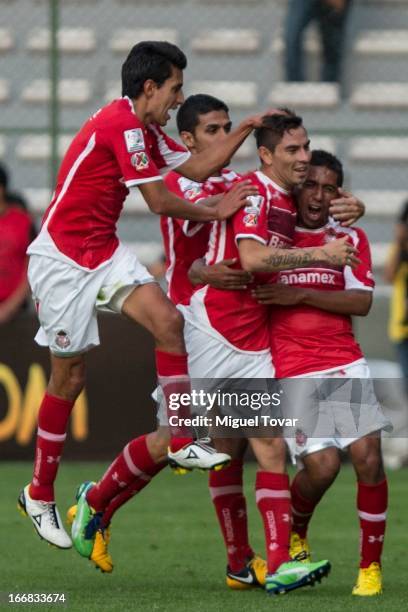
235	51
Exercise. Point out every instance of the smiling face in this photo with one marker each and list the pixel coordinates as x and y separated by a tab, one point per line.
211	130
288	164
315	196
162	98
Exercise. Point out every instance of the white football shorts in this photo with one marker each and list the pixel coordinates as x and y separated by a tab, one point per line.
342	419
209	358
67	298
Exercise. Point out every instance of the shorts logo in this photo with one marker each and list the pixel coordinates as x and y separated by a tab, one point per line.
134	140
140	161
250	220
62	339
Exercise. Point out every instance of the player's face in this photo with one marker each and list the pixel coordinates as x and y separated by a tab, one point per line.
211	130
168	96
289	162
315	196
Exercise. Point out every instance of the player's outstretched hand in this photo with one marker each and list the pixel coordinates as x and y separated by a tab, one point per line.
347	208
234	199
222	276
340	253
278	294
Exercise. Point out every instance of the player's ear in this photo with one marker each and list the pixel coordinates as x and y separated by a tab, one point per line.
187	138
265	155
149	88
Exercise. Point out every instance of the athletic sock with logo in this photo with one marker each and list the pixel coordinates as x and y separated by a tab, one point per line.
273	501
230	506
53	419
372	502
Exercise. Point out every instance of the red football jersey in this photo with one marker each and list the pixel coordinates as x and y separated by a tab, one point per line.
112	152
15	232
304	339
234	317
185	241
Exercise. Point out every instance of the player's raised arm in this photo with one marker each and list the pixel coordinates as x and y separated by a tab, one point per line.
202	165
256	257
163	202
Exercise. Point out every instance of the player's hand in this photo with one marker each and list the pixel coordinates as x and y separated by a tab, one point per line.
278	294
256	121
347	208
340	253
222	276
235	199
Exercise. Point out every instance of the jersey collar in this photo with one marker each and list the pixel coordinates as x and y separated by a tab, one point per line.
265	180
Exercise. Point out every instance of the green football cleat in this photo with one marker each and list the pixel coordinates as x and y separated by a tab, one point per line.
83	541
294	575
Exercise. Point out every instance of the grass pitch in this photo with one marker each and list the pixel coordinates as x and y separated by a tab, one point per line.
169	557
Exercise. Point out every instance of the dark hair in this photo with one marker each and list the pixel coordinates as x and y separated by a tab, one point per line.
150	60
327	160
274	127
4	177
194	106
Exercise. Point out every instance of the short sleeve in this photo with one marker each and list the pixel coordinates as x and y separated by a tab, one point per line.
132	153
251	221
188	190
166	152
362	276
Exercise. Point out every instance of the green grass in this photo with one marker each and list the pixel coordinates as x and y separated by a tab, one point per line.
169	557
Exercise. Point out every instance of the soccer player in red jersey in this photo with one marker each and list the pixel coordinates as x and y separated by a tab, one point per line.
311	336
77	264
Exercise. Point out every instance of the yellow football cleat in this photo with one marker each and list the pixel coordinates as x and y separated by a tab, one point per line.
100	555
299	547
252	575
369	581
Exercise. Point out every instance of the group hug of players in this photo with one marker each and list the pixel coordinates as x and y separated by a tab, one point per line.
264	272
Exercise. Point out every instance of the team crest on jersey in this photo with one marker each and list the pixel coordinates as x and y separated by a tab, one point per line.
134	140
255	203
62	339
140	160
250	220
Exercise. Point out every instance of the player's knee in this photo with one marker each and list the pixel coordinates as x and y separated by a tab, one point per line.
323	468
68	382
369	468
170	327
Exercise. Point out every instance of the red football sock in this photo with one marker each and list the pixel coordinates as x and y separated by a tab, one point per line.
230	506
302	509
173	378
134	461
372	501
52	425
134	487
273	501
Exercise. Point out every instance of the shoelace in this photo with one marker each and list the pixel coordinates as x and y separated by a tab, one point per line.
50	507
300	556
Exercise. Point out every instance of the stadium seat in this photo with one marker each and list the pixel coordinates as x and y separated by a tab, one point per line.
70	40
237	94
312	41
384	203
305	95
382	42
381	149
6	40
323	142
4	90
38	147
70	91
380	95
38	199
113	91
227	41
379	253
124	39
